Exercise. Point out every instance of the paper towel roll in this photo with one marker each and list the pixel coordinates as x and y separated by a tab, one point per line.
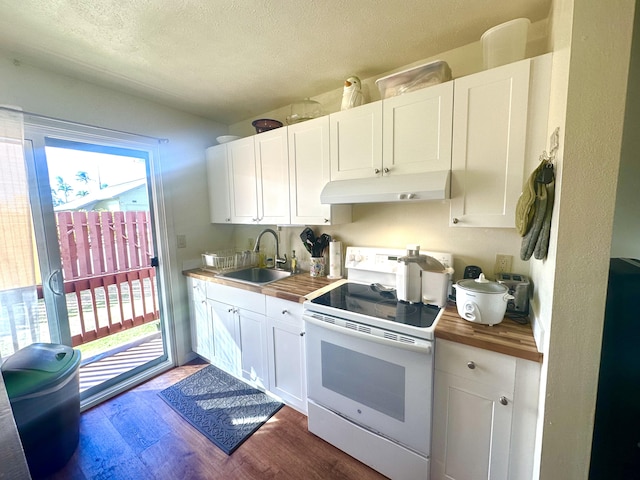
335	259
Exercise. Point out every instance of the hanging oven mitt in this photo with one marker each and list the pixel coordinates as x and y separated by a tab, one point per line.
537	237
524	208
542	245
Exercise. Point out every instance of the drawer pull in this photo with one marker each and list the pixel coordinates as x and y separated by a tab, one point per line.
471	365
284	312
504	401
302	334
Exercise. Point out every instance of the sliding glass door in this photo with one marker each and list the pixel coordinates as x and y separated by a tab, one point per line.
88	230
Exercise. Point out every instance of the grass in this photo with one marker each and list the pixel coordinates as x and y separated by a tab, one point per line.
104	344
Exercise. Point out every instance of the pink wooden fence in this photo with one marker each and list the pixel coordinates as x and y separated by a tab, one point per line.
106	261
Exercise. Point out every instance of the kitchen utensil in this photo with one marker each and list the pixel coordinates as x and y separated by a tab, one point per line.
321	244
482	301
308	239
265	124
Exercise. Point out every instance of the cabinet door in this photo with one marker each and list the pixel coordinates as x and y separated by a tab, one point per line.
243	191
308	174
199	318
225	348
218	177
286	349
253	343
356	142
417	131
272	176
471	430
489	135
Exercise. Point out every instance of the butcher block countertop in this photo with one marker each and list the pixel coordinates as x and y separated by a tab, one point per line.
507	337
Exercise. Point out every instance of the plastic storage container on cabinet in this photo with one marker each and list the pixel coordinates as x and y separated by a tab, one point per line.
42	384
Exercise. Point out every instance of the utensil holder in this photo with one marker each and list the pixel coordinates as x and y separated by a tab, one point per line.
316	268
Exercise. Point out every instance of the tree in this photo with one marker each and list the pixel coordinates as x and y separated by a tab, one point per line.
64	187
82	193
83	177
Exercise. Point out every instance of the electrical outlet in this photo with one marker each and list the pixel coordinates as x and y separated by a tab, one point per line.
182	241
503	263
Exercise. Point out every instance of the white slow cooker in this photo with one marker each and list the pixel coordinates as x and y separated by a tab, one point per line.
482	301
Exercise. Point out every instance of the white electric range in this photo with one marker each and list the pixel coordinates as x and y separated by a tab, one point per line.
370	366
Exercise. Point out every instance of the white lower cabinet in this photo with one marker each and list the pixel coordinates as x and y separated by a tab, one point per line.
253	343
286	349
484	416
225	350
252	336
200	320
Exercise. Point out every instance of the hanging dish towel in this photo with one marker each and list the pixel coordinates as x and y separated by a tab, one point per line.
534	217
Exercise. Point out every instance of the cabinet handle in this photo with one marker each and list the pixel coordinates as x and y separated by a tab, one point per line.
471	365
227	219
504	401
454	220
376	171
231	310
302	334
326	220
204	302
386	170
284	312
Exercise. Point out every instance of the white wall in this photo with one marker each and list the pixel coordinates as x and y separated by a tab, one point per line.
588	38
183	169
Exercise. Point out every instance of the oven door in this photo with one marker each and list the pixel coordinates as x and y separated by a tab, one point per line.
380	384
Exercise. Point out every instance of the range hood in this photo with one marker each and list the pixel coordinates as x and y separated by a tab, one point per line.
398	188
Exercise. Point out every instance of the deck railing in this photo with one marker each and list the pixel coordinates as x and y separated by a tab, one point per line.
108	277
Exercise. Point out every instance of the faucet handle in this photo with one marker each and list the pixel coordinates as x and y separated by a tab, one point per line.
281	261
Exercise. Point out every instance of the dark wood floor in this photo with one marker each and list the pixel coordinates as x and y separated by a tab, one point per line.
136	435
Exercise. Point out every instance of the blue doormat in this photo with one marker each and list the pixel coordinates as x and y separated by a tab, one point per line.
224	409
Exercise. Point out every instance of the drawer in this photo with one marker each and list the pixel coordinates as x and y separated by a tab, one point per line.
484	366
236	297
280	309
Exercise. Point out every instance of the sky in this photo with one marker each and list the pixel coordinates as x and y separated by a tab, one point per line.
101	168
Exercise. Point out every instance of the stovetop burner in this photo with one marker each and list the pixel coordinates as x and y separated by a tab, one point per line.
381	303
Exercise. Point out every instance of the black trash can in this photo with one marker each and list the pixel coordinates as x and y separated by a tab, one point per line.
43	388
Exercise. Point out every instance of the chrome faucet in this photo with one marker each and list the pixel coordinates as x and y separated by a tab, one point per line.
278	260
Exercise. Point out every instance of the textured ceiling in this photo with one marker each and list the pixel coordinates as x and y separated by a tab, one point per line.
230	60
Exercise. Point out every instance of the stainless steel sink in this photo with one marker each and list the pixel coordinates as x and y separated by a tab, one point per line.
255	276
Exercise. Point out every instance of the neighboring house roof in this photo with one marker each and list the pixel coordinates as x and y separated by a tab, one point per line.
106	193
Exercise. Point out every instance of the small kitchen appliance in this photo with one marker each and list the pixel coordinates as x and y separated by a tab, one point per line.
370	365
482	301
518	286
421	278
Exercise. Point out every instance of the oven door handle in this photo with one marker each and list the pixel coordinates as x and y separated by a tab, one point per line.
423	347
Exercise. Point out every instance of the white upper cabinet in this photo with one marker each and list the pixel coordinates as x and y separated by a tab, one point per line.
491	140
308	174
272	176
416	131
243	189
218	176
407	134
259	178
356	142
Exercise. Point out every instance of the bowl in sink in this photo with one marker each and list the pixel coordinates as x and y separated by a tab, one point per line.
255	275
